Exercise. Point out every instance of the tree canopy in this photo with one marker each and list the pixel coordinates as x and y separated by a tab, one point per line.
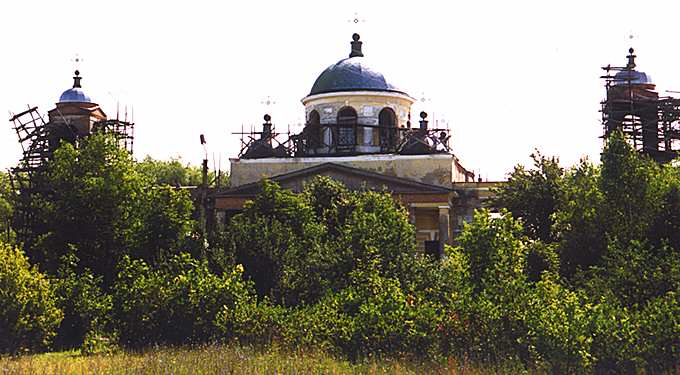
612	221
90	201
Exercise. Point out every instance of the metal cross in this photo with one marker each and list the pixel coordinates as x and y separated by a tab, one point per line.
77	60
356	19
268	102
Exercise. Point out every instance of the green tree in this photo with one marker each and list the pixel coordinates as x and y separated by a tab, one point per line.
579	225
615	230
87	308
628	197
91	201
175	173
496	252
494	248
633	190
275	232
296	247
175	301
533	195
6	208
29	314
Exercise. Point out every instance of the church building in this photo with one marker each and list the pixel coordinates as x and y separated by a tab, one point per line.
359	130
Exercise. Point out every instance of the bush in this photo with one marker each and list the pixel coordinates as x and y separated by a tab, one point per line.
90	200
541	257
615	338
273	238
251	322
28	312
87	309
659	325
298	247
557	321
374	315
175	302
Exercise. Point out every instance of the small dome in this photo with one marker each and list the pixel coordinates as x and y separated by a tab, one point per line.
629	75
633	77
351	74
75	94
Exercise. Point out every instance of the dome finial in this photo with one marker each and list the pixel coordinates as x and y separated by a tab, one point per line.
423	120
76	80
267	127
631	59
356	46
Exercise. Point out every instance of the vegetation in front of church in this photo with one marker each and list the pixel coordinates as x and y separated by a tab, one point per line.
580	273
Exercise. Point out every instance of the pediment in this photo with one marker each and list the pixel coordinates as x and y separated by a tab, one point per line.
353	178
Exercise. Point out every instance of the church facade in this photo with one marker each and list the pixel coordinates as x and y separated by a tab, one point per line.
358	130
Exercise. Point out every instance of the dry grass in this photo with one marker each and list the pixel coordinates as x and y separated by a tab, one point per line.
220	360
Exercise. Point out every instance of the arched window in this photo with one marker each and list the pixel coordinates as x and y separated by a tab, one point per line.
347	122
313	130
387	120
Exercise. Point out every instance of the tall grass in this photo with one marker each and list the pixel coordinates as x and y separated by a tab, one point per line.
227	360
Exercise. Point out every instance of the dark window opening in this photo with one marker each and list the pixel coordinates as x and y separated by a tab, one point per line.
313	130
347	122
387	120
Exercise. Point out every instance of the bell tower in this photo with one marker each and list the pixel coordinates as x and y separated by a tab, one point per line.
74	115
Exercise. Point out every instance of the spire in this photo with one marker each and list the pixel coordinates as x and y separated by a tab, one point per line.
631	59
356	46
76	80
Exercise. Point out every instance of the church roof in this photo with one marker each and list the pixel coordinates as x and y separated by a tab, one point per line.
352	74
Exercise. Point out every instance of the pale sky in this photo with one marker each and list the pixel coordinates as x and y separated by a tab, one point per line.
507	76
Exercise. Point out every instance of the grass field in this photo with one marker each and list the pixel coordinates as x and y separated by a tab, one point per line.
222	360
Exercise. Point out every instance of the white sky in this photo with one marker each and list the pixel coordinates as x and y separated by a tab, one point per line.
508	76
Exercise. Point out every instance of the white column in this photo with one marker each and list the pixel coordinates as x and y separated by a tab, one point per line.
327	138
444	226
368	136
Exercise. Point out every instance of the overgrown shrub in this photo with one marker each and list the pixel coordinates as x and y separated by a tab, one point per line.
252	322
90	198
374	315
87	309
614	334
541	258
28	310
557	322
538	322
277	239
298	247
175	302
659	333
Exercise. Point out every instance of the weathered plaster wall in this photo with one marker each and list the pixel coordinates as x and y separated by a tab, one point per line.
435	169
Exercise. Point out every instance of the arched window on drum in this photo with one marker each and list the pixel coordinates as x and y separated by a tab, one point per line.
389	135
347	123
313	130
